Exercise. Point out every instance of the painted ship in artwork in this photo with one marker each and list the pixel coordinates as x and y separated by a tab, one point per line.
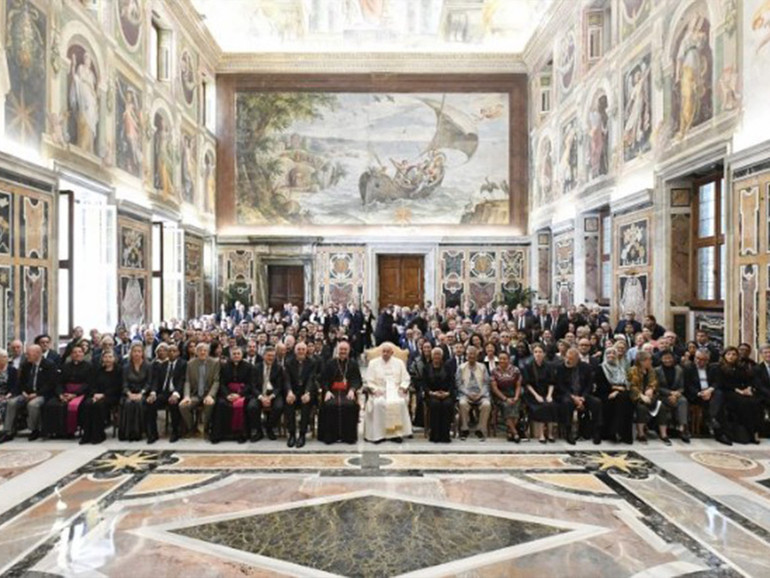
417	179
313	158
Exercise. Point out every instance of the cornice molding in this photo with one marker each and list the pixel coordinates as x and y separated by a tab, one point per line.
341	62
557	18
187	16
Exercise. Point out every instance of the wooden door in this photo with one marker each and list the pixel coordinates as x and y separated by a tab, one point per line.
401	279
286	284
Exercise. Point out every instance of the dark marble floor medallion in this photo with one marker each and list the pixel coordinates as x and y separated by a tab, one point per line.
370	536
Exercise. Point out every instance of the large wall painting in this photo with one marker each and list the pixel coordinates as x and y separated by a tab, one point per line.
598	136
189	167
691	101
128	129
372	158
637	108
633	294
632	241
568	161
25	44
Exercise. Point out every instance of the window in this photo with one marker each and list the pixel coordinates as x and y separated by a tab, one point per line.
209	104
87	255
709	245
606	259
595	35
160	49
545	93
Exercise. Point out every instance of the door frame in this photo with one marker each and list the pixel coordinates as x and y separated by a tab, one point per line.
426	250
263	281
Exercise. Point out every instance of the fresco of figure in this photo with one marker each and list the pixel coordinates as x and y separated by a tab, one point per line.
83	100
692	77
129	128
598	142
163	176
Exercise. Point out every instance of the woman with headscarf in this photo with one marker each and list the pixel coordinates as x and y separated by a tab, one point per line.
612	383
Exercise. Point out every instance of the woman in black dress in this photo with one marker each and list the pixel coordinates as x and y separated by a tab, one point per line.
103	395
539	381
136	384
61	412
440	395
743	407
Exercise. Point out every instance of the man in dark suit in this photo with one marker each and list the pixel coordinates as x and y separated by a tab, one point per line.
700	388
574	389
762	376
629	319
44	341
457	359
703	341
38	380
268	393
302	394
168	379
201	385
8	392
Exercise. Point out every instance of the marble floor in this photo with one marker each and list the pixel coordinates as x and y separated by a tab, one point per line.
470	509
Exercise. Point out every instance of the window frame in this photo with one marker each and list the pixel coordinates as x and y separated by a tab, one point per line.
717	241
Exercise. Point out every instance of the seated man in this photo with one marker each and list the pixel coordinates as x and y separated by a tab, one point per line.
200	387
303	390
387	410
267	395
472	381
9	389
340	381
230	412
701	390
671	389
575	391
38	379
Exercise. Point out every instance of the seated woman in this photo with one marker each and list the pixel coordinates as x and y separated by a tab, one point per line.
136	384
417	373
643	383
440	396
612	383
506	389
103	395
539	382
744	408
229	416
61	412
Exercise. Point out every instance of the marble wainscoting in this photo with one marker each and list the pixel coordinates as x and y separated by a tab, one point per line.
564	512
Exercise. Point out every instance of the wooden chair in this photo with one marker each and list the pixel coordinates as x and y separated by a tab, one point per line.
375	352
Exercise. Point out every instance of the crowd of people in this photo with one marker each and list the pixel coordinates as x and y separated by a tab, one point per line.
248	373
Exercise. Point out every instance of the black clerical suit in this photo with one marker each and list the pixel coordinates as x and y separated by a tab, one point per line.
338	415
302	380
276	388
227	418
578	381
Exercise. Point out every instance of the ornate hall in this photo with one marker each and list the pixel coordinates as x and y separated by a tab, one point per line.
373	288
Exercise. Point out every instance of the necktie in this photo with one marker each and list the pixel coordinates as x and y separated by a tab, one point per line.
521	322
34	379
266	380
168	376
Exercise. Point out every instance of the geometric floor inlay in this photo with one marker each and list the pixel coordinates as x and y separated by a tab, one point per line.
370	535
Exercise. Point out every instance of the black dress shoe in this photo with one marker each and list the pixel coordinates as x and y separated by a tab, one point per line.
257	436
464	435
271	435
685	437
666	441
291	441
397	440
215	441
571	439
242	440
597	440
82	442
301	441
34	435
174	438
6	437
151	440
723	438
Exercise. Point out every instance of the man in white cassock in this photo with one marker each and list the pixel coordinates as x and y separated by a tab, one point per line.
387	411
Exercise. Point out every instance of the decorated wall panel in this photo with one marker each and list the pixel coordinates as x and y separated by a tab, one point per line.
340	274
633	265
544	266
482	275
134	270
26	262
749	288
193	276
564	269
591	258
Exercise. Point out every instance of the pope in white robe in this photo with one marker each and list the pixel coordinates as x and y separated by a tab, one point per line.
387	412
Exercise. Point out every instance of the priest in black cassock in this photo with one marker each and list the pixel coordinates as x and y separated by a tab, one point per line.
340	381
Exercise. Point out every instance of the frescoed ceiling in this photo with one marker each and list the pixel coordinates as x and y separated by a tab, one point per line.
486	26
